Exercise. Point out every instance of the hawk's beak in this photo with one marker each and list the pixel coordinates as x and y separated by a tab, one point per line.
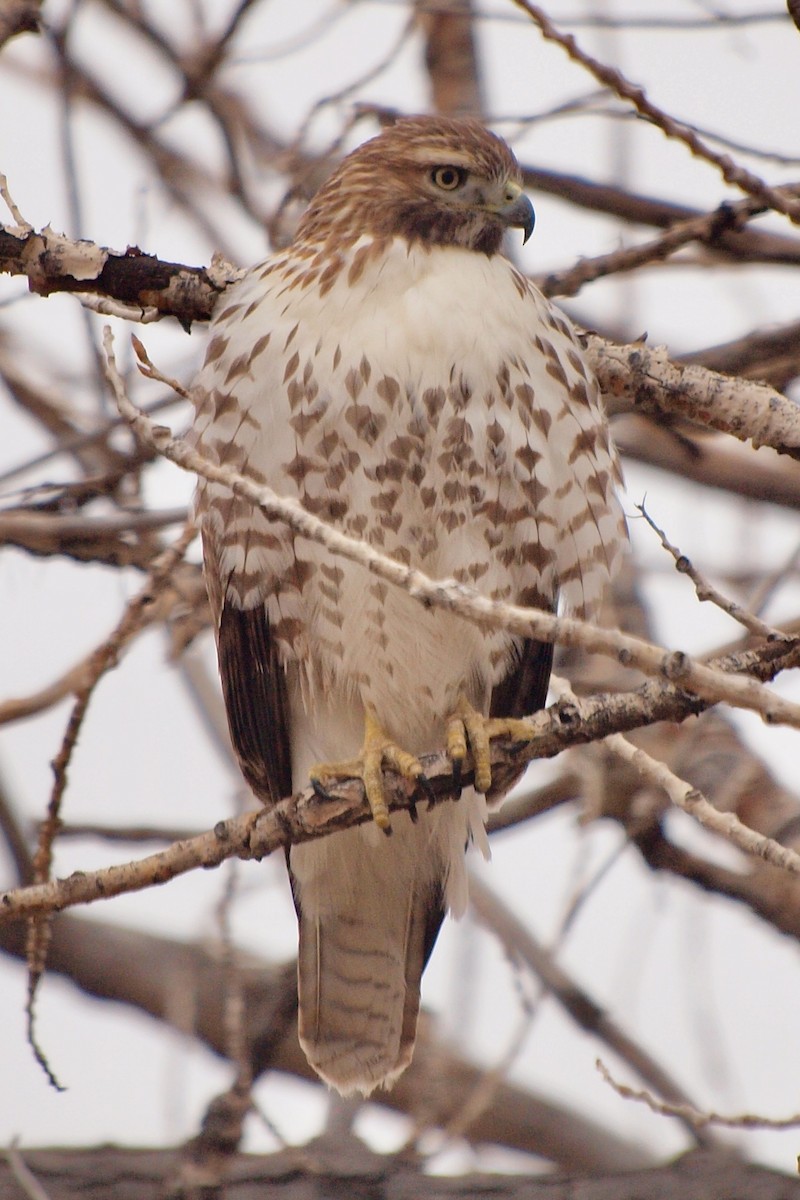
517	210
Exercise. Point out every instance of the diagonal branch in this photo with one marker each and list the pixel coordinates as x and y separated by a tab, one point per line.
781	199
704	228
704	681
736	244
306	815
521	944
645	378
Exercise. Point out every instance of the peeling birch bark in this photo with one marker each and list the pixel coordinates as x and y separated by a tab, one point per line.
645	379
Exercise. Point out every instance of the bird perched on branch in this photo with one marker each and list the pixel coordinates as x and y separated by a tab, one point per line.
394	372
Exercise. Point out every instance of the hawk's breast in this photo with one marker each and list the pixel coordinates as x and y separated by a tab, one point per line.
432	403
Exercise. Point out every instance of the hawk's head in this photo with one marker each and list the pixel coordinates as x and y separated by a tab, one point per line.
431	180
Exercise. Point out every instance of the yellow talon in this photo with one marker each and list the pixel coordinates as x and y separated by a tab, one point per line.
456	741
467	725
377	752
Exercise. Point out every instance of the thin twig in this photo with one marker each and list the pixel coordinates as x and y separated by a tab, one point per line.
777	198
706	590
705	228
234	1015
691	800
763	593
22	225
74	681
581	1007
696	1117
104	658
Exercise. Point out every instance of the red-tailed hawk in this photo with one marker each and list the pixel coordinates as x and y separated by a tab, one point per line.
399	376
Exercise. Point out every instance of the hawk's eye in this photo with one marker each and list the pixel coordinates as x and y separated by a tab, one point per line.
448	178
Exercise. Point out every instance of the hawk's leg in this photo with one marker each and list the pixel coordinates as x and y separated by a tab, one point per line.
377	752
467	727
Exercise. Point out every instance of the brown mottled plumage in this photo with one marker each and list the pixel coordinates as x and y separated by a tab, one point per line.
393	371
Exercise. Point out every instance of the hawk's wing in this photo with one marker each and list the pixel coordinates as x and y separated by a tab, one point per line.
254	687
524	689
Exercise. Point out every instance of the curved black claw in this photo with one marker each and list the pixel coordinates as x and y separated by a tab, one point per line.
457	773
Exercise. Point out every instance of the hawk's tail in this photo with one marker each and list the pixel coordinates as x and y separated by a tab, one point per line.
369	914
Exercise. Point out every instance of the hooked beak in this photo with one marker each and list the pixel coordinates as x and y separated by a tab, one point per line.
517	210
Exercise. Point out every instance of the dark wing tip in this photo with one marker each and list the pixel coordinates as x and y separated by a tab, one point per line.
254	687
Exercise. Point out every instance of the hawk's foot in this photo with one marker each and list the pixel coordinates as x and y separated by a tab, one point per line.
467	727
377	752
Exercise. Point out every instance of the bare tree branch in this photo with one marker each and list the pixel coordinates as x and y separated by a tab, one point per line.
713	461
54	263
451	58
304	1175
307	816
696	1117
639	376
644	377
705	229
18	16
521	944
780	199
733	244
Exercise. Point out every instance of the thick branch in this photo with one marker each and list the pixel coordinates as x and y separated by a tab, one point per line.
86	538
771	355
451	58
307	816
303	1174
713	461
54	263
18	16
646	378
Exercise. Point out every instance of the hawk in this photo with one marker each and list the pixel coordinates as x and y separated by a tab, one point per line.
395	372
